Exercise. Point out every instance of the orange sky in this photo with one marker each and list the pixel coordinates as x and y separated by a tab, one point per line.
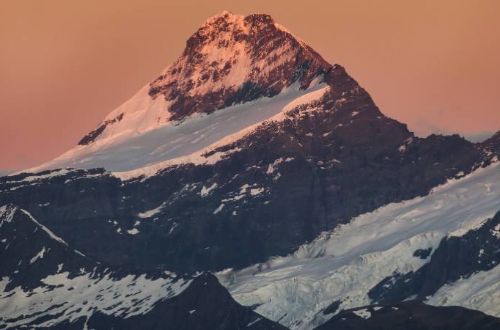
65	64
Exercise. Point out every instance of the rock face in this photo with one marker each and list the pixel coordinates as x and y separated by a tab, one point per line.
205	304
48	285
287	182
230	59
235	59
410	316
30	251
493	143
90	137
319	157
274	189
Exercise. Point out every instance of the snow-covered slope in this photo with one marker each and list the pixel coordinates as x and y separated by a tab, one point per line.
480	291
235	71
136	145
69	299
247	147
45	283
40	274
345	264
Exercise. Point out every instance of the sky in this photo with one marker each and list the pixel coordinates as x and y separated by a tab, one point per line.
64	65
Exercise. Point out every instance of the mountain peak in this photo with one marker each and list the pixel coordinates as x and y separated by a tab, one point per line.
227	17
234	59
493	143
230	59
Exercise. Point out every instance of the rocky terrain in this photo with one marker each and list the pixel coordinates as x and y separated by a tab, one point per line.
252	162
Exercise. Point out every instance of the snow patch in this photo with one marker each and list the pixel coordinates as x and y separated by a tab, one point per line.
205	191
364	313
496	231
219	208
39	255
133	231
152	212
254	321
45	229
70	298
256	191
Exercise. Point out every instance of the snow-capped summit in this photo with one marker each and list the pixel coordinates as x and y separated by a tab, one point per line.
233	59
246	69
253	158
230	59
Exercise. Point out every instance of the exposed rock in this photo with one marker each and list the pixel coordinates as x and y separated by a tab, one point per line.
493	143
410	315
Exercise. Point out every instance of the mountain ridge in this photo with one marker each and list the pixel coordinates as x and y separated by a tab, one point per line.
230	59
275	186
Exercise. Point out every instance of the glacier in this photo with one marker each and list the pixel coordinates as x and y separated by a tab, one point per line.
344	264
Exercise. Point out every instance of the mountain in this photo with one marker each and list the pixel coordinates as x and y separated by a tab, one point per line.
47	284
229	61
252	159
442	249
492	144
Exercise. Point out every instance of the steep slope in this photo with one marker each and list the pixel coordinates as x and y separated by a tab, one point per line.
410	316
274	188
235	59
492	144
234	156
204	304
456	258
177	142
228	62
46	284
340	269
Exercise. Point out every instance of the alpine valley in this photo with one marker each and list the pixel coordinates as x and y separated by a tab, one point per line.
253	185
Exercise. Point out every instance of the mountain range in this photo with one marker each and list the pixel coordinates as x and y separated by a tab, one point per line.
253	185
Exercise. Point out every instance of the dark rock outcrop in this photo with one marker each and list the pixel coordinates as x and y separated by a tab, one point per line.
205	304
492	144
411	315
31	254
90	137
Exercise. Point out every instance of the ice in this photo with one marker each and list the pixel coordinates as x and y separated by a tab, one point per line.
346	263
480	291
70	298
174	142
